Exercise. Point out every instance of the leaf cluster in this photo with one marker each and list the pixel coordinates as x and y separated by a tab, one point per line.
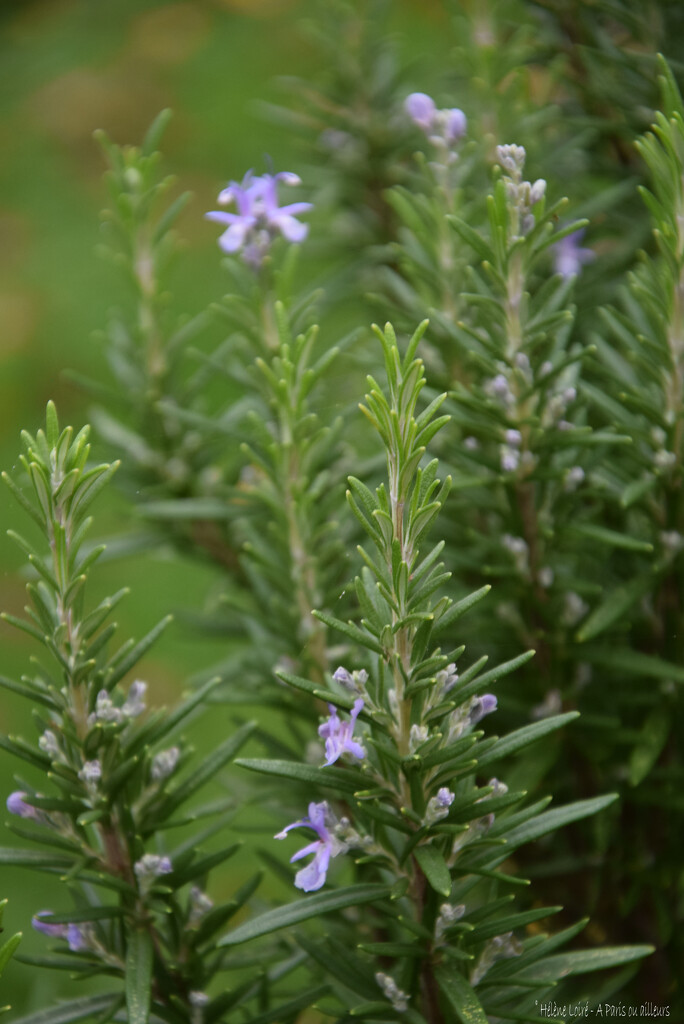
441	933
107	789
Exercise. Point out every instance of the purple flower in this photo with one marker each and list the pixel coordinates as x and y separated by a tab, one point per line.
438	805
55	931
569	256
445	797
17	805
75	936
355	681
151	866
442	127
455	124
480	707
338	734
421	109
344	677
312	877
259	218
510	458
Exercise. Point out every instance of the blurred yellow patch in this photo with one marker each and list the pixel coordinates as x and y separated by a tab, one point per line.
14	232
18	316
596	934
169	35
121	99
257	8
34	18
311	1017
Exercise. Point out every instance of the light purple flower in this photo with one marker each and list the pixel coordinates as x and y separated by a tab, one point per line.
55	931
455	124
75	936
135	701
91	772
438	805
421	109
151	866
510	458
445	797
480	707
17	805
444	128
259	218
312	877
354	681
569	256
344	677
338	734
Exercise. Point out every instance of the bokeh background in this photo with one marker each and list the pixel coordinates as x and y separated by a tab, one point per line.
67	68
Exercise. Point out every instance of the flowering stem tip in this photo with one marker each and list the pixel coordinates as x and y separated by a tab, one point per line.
259	218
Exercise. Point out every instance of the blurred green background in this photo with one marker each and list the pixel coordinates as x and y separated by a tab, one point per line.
68	67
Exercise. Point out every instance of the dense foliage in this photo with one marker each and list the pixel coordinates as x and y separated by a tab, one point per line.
517	457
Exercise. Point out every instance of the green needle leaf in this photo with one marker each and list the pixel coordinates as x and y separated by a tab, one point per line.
461	996
346	780
524	736
564	964
75	1009
302	910
434	868
7	950
139	957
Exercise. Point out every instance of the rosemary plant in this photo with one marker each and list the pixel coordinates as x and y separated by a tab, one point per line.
634	635
112	780
439	939
428	884
219	478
